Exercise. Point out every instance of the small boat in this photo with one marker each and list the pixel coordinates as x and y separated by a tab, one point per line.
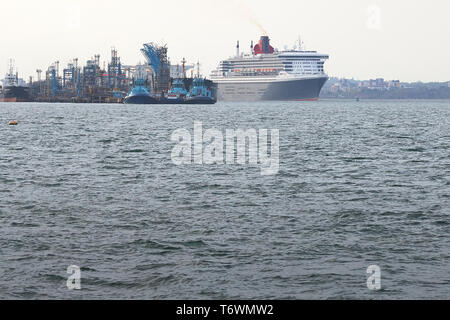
200	93
139	94
177	92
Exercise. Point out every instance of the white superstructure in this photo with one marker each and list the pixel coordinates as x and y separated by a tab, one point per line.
285	64
269	74
12	78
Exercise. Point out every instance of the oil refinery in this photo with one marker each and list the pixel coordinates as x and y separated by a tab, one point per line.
111	82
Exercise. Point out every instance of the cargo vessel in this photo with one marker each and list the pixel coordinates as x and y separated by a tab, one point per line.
268	74
14	89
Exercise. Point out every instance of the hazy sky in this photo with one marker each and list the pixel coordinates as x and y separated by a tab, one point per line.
394	39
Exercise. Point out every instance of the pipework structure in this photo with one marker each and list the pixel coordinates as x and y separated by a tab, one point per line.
158	60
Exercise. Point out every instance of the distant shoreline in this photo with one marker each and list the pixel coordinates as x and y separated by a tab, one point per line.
380	89
381	99
37	103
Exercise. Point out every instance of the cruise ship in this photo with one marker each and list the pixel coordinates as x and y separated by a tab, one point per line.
269	74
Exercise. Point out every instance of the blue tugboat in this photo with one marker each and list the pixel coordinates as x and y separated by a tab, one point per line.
139	94
177	92
200	93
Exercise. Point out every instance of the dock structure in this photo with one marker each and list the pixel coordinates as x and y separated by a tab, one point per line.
109	82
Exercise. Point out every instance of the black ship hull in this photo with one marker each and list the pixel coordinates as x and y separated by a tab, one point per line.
200	100
140	99
172	101
15	94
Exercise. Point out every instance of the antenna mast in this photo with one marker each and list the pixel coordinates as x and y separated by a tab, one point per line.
183	64
11	66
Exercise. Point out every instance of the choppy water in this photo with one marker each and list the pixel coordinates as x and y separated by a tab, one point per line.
360	183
